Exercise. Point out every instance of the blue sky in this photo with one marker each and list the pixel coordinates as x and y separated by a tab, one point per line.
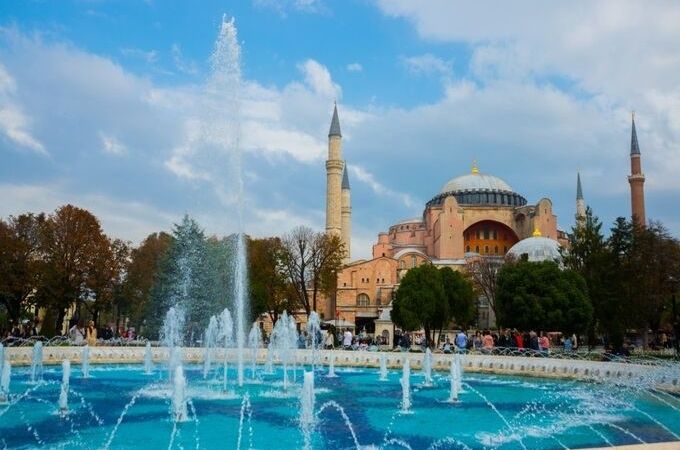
101	102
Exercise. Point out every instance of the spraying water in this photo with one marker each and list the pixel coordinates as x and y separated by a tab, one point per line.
455	381
37	362
284	341
383	367
427	367
209	341
148	359
172	337
5	377
63	395
307	408
314	333
85	361
331	367
226	335
254	342
179	398
2	356
406	386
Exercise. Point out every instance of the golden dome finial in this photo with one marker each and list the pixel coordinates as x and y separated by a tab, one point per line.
536	233
475	169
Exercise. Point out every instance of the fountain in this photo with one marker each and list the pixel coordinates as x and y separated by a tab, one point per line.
254	342
284	340
331	366
5	378
406	387
85	361
37	363
383	367
427	367
172	336
226	335
455	382
179	397
148	359
314	335
209	342
63	394
307	408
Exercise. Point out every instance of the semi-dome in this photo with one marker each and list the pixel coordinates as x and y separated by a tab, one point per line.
476	181
537	248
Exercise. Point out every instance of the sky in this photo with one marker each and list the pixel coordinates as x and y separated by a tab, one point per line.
105	105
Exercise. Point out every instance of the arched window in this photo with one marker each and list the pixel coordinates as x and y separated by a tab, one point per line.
402	264
477	249
495	249
486	249
362	300
413	261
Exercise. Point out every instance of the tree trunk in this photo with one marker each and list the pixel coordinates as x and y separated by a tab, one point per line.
60	321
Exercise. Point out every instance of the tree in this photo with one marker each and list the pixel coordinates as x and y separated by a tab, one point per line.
460	297
142	274
70	241
421	302
310	262
483	271
536	296
19	262
269	292
106	276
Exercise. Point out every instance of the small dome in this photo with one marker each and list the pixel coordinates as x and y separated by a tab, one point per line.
475	182
537	249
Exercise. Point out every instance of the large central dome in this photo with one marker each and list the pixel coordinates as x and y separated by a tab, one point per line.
475	182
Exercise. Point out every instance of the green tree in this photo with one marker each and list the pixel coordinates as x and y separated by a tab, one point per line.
269	291
460	296
537	296
421	302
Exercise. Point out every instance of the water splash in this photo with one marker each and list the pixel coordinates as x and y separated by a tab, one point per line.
307	409
148	359
427	367
37	363
331	367
85	361
254	342
226	335
5	378
383	367
209	341
406	386
63	395
314	334
179	396
172	336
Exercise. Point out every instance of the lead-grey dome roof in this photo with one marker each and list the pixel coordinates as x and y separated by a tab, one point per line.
537	249
475	182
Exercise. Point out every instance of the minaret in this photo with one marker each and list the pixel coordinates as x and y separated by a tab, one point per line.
636	180
346	215
580	202
334	167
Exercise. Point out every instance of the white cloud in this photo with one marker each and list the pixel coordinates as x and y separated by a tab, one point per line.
283	6
367	177
111	145
14	124
183	65
355	67
319	79
428	64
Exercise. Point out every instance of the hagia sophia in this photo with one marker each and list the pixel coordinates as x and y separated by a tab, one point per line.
474	215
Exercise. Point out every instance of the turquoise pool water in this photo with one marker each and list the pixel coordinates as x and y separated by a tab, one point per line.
494	412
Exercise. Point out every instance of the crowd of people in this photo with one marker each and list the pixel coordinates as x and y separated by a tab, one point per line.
78	332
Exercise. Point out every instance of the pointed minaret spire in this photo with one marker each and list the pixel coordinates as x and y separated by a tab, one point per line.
580	202
636	179
335	123
345	178
634	147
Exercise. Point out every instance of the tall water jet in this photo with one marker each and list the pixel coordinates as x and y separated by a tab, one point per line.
37	362
85	361
427	367
293	343
383	367
209	341
179	399
307	408
5	378
172	336
406	386
269	364
331	366
63	394
314	335
459	372
224	129
284	341
254	342
226	336
455	382
148	359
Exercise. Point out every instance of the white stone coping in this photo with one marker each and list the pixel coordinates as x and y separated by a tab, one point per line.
659	376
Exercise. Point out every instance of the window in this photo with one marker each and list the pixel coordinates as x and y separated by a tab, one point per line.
486	234
362	300
486	249
413	260
479	233
495	249
383	253
477	249
377	280
402	264
494	234
383	281
467	249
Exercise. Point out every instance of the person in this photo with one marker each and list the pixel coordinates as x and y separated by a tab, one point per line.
533	341
447	345
544	343
75	333
519	341
477	341
347	339
487	342
461	341
405	342
329	343
91	334
574	341
567	344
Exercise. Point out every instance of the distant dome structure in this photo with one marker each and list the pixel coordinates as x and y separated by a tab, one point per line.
478	188
537	248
